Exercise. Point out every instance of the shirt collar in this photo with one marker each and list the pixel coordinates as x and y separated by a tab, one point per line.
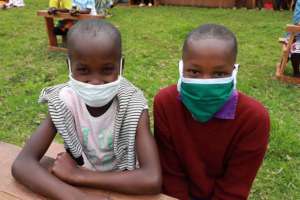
229	109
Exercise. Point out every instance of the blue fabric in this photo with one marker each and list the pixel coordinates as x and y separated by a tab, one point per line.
296	18
83	4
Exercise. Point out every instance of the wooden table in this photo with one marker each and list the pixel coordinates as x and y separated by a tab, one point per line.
11	190
49	20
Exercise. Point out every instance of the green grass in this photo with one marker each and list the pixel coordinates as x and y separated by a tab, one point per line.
152	40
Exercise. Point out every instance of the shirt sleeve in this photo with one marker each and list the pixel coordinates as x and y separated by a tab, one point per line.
174	179
245	160
296	18
67	4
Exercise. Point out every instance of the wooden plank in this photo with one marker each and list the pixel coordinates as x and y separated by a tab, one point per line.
280	68
15	191
285	54
56	48
292	28
289	79
7	196
60	15
50	31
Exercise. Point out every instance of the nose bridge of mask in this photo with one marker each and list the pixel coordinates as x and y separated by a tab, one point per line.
70	69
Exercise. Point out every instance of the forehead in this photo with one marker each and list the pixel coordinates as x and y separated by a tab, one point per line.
214	50
94	47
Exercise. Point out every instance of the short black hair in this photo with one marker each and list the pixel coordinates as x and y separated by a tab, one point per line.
212	31
91	28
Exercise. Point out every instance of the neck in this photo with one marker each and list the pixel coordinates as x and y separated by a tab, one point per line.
98	111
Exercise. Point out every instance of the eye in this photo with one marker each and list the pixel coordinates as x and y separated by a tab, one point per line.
193	72
220	74
107	70
82	70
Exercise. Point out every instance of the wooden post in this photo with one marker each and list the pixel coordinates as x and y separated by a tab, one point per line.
285	54
50	30
286	48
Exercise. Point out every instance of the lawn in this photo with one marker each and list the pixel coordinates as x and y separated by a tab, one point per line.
152	40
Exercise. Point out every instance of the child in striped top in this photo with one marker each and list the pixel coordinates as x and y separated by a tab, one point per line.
103	120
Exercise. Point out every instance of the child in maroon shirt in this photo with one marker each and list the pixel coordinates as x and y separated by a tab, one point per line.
212	139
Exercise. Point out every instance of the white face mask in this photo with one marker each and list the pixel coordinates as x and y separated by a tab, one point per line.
95	95
225	80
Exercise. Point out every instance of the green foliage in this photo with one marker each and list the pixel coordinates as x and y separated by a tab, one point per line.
152	40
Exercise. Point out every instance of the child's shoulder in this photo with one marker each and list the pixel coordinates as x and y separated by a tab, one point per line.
51	92
250	107
129	89
167	94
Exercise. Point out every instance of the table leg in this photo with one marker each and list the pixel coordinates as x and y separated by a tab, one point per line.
51	36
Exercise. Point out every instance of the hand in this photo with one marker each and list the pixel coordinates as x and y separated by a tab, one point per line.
65	168
74	12
52	11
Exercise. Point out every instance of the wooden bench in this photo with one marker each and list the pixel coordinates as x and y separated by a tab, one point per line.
286	48
49	20
12	190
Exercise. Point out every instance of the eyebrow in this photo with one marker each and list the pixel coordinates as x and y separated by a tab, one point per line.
220	66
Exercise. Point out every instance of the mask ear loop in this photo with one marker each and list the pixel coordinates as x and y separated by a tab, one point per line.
121	66
180	69
69	65
235	71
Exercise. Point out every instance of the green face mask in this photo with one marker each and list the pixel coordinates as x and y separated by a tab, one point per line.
205	97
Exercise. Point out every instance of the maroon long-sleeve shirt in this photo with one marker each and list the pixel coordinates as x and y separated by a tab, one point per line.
217	160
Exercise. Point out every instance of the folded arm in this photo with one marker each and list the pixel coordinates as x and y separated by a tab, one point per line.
144	180
28	170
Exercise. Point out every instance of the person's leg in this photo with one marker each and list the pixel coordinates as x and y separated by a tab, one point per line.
239	3
142	3
277	4
284	4
259	4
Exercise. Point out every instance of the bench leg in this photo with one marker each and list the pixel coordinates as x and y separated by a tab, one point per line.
51	36
285	54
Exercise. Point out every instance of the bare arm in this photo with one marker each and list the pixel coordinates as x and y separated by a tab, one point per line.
145	180
53	10
75	12
28	170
